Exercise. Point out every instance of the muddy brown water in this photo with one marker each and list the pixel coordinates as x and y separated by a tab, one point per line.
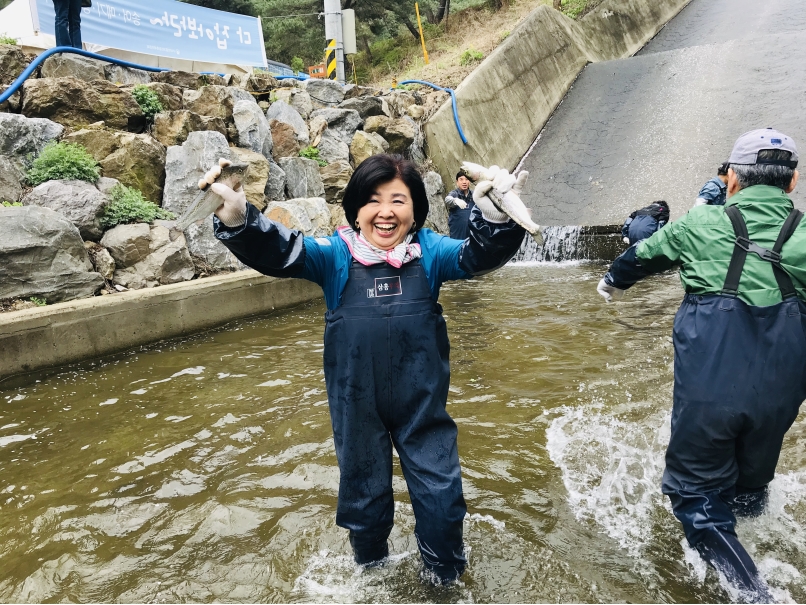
203	469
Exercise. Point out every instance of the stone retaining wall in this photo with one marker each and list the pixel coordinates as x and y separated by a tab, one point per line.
507	100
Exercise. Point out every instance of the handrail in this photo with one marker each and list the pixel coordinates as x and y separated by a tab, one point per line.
16	84
453	103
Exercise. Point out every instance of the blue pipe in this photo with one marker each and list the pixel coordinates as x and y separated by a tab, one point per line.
16	84
300	78
453	103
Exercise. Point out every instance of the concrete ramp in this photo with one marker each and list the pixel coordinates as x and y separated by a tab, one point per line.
657	125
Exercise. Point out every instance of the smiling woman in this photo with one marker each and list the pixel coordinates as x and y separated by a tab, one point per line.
386	344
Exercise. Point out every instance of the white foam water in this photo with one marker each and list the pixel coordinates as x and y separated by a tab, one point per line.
611	470
560	243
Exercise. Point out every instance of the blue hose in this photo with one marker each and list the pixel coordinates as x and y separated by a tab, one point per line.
300	78
453	103
16	84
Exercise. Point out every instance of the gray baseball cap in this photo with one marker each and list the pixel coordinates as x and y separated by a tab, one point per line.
747	147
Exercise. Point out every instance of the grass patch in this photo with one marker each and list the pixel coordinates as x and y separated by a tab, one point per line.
127	205
63	161
39	302
7	204
148	101
6	39
312	153
470	56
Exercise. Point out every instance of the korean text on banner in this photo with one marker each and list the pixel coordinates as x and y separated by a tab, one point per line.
168	29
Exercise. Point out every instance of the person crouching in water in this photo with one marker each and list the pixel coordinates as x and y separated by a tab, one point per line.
644	222
386	345
739	347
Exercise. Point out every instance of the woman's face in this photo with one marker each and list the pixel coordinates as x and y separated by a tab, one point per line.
388	216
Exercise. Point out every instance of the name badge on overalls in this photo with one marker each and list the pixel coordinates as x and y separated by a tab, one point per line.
385	286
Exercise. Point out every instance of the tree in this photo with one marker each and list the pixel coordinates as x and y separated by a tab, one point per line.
297	64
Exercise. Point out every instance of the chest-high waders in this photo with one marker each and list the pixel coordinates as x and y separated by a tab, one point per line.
739	379
387	375
459	219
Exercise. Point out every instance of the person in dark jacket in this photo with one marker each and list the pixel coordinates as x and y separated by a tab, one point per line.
740	347
386	345
68	22
644	222
713	193
459	203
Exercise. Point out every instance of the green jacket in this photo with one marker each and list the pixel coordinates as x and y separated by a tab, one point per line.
702	242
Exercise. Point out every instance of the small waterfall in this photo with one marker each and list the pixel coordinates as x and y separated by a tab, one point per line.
563	243
559	243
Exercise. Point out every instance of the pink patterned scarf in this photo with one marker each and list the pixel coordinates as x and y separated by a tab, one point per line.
367	254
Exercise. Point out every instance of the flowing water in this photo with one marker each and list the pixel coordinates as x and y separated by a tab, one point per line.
203	469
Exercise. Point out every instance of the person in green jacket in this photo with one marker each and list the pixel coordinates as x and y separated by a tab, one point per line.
740	347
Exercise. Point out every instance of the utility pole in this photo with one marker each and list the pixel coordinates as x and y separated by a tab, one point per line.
334	51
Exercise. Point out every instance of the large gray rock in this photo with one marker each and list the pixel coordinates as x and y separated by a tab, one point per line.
400	100
168	262
128	244
335	177
21	136
253	127
309	215
41	254
76	103
12	62
10	180
78	201
297	98
332	148
284	140
101	260
216	101
123	76
342	122
186	79
173	127
283	112
275	185
138	161
399	133
365	106
437	213
324	93
302	178
366	144
184	166
76	66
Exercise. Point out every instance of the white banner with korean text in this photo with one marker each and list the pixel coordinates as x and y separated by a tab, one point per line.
166	28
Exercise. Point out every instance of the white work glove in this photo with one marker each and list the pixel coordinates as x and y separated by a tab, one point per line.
626	240
451	201
232	211
609	292
700	202
505	184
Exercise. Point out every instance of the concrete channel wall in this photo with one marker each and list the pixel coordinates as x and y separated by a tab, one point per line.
64	333
507	100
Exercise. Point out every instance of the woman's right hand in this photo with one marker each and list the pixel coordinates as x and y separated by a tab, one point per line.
232	211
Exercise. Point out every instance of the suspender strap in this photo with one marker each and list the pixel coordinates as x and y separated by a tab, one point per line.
731	286
745	245
781	276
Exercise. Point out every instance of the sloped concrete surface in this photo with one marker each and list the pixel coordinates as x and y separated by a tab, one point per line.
656	126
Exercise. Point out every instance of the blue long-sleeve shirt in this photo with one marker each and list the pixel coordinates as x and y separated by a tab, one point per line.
273	249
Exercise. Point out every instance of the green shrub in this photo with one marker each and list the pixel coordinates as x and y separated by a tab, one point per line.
39	302
470	56
63	161
297	64
6	39
148	100
8	204
127	205
312	153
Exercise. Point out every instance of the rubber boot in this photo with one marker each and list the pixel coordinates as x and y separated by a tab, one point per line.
369	551
724	552
750	502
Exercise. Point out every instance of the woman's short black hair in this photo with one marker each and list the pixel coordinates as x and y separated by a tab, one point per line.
377	170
